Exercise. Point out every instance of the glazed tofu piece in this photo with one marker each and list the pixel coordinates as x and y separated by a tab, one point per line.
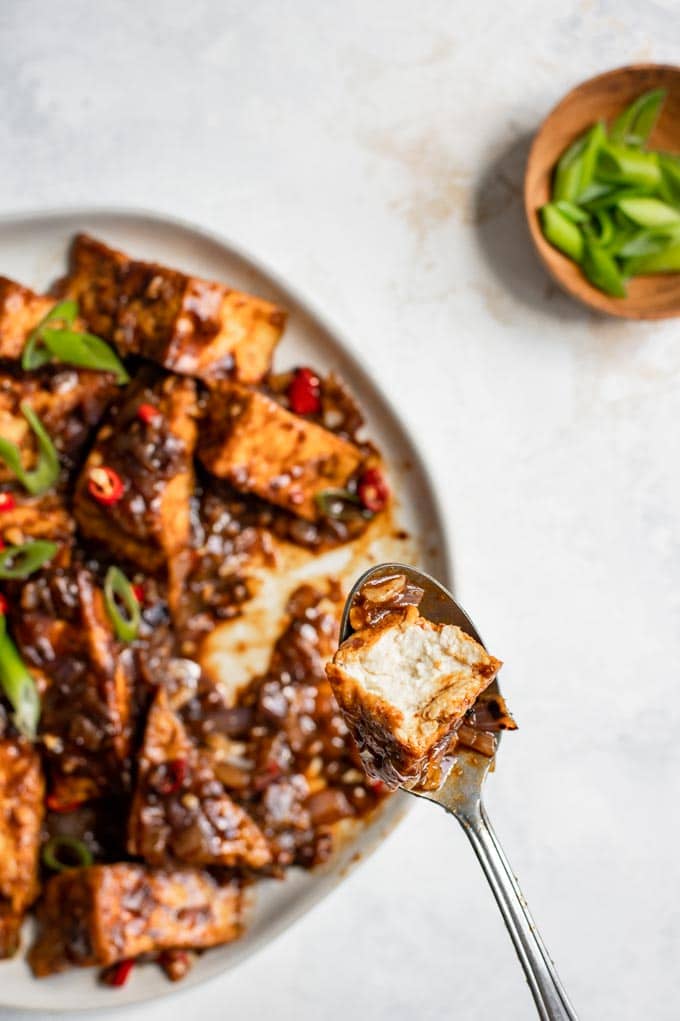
147	442
404	686
35	517
69	402
105	913
181	812
21	309
187	325
64	635
262	448
21	815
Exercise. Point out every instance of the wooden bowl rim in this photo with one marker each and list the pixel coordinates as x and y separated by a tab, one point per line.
590	295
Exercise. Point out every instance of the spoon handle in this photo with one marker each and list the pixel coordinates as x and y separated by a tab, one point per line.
551	1000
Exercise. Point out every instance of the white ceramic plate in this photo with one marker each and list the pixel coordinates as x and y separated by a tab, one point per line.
33	250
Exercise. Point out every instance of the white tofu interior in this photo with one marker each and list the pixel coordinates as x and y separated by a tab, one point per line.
409	667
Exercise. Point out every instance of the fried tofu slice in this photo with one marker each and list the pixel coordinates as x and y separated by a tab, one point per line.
69	402
21	309
187	325
36	517
105	913
65	638
403	686
22	791
180	811
150	451
262	448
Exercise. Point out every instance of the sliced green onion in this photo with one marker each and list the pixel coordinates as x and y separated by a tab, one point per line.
20	561
602	271
670	173
561	232
117	589
667	261
615	205
605	227
74	347
85	351
62	852
635	124
644	242
18	685
568	171
628	166
572	211
40	478
598	190
608	200
649	212
34	355
594	140
340	505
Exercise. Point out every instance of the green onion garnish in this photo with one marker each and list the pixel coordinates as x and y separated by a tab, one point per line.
117	589
18	685
35	355
340	504
615	206
62	852
74	347
40	478
20	561
634	125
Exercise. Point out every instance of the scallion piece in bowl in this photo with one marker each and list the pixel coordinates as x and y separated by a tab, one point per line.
615	205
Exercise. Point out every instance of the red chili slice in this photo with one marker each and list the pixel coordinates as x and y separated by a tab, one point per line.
118	974
373	490
173	776
138	592
304	392
7	502
105	485
62	807
148	413
4	605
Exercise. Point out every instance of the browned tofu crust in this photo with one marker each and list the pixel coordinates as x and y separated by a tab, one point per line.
263	448
180	811
22	791
65	638
391	750
188	325
21	309
36	517
106	913
69	402
150	523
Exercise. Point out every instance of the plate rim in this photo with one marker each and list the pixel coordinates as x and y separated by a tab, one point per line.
308	306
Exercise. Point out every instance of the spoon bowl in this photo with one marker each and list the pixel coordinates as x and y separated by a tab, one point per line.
603	98
461	795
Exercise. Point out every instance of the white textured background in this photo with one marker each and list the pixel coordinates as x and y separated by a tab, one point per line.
372	152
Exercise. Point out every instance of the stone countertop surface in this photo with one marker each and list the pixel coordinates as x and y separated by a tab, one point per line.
372	152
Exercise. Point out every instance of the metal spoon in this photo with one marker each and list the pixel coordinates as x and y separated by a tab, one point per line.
461	795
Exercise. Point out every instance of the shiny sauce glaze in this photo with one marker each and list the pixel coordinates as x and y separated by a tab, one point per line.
377	601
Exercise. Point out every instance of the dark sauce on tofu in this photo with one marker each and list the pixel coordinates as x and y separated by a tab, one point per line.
390	597
270	774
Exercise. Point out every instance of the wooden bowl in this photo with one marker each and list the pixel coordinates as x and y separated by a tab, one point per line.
603	98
